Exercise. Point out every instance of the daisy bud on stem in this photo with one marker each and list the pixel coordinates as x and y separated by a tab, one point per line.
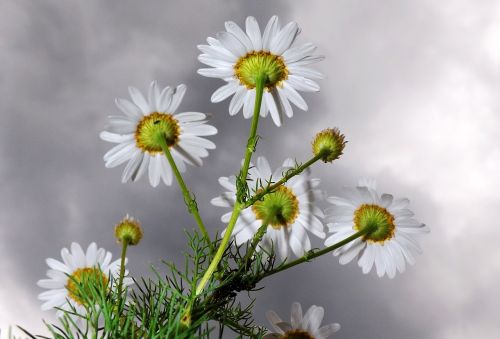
128	232
329	144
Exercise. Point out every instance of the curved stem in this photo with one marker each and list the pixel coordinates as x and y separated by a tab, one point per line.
190	201
314	254
240	196
286	177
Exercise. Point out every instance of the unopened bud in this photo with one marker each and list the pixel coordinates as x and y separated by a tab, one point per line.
329	144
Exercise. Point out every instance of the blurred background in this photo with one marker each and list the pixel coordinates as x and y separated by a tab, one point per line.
414	85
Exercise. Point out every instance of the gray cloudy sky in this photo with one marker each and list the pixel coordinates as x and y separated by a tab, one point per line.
413	84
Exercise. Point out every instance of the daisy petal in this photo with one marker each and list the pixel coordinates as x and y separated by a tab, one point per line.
270	31
224	92
234	29
284	38
253	32
129	109
275	113
177	97
139	100
294	97
302	84
115	138
231	43
237	100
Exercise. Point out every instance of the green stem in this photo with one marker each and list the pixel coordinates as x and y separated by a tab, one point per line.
252	139
190	201
253	246
239	205
283	180
122	268
314	254
220	251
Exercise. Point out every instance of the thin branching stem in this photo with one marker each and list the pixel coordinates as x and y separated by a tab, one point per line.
314	254
290	174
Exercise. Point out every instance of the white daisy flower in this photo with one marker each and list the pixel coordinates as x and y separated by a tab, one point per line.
76	267
390	245
303	327
144	122
290	210
238	57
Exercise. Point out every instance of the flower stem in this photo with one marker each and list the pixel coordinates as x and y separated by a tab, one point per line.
286	177
122	268
314	254
242	188
253	246
239	205
189	200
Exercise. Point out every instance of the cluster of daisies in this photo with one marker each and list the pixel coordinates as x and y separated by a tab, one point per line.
291	211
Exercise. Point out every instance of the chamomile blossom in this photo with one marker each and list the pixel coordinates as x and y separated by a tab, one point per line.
137	135
390	244
307	326
239	57
289	210
77	267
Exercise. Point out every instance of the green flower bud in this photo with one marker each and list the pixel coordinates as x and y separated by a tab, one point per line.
128	230
329	144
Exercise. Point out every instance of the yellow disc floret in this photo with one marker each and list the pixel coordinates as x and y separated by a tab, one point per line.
260	63
153	126
84	282
378	219
279	208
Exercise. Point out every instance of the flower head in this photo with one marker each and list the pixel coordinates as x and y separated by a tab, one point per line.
305	326
391	240
240	57
69	280
329	144
146	125
128	230
289	210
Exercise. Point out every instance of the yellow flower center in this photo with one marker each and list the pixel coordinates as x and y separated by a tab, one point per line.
279	208
297	334
378	218
83	283
255	63
153	126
